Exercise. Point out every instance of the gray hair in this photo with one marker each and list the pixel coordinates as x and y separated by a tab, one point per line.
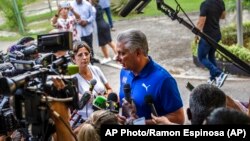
134	39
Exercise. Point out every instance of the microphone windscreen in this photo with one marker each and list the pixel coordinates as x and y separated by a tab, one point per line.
93	82
126	88
127	92
148	99
84	99
72	69
112	97
100	102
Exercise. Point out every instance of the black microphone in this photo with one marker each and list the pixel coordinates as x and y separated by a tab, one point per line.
127	92
112	103
84	99
149	100
113	97
131	5
92	85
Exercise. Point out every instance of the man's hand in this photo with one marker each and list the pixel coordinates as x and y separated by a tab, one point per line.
82	22
58	83
121	119
129	109
162	120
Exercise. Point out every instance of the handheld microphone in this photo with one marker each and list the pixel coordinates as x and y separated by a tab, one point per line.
127	92
99	103
131	5
84	99
149	100
113	97
72	69
92	85
112	103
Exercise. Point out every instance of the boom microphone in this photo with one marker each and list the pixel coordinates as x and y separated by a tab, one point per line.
92	85
149	100
127	92
131	5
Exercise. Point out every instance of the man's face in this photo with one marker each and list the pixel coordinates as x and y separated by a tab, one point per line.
79	1
126	58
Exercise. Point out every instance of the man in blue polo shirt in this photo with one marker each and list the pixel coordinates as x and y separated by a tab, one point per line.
147	78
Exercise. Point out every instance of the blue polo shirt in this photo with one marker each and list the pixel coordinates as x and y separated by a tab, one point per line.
153	80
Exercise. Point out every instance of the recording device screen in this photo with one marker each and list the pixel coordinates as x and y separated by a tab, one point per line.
54	42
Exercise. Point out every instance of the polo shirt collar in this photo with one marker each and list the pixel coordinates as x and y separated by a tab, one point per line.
146	70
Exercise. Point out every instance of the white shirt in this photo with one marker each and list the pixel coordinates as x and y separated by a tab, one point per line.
86	13
99	88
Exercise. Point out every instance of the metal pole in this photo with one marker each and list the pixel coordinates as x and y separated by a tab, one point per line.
239	23
18	16
50	8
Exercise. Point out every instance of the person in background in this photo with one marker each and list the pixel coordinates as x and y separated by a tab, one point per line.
103	31
85	24
141	73
211	11
62	21
105	4
86	73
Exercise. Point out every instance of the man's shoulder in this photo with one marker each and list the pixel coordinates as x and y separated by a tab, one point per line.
161	70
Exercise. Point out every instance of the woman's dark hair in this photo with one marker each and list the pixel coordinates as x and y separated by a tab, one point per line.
80	44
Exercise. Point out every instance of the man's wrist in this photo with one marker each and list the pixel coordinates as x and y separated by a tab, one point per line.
56	15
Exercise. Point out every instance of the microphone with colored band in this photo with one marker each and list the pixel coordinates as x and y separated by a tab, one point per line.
140	4
127	92
92	85
149	100
112	103
99	103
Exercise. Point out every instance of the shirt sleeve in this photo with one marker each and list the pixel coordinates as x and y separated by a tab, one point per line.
203	9
170	98
91	13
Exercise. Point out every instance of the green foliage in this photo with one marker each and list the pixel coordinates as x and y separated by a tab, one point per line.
229	35
7	7
229	42
231	4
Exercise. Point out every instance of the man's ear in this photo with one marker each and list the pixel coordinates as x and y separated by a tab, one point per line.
189	114
138	51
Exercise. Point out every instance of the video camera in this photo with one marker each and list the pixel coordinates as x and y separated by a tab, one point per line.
54	42
33	90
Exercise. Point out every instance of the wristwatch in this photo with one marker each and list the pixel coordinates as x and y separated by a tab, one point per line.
56	15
